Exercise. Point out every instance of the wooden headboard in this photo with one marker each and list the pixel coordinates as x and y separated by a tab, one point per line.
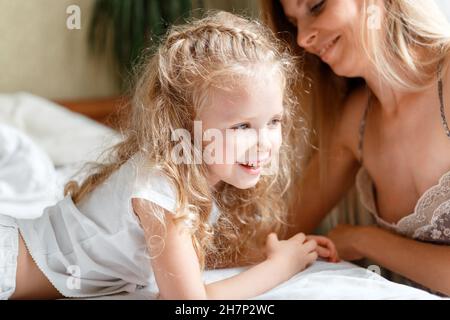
103	110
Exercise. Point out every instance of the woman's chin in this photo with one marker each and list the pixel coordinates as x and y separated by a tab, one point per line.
336	67
343	69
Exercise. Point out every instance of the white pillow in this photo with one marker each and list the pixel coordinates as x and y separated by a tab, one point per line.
66	136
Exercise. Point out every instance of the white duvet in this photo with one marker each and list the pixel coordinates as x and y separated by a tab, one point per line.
29	182
27	175
321	281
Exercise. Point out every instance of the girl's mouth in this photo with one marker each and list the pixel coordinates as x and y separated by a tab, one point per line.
253	168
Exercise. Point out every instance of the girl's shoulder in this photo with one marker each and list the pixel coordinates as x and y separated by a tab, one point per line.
150	182
136	178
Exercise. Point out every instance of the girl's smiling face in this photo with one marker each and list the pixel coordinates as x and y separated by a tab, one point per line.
331	30
248	118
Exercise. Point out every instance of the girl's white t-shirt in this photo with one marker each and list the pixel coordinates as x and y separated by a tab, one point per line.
98	247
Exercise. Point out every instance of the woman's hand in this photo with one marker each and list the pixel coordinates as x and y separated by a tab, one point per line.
294	255
346	237
325	248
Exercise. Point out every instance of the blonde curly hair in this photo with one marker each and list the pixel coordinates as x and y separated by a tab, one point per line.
172	86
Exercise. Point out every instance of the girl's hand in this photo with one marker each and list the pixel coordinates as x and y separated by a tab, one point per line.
325	248
294	254
345	238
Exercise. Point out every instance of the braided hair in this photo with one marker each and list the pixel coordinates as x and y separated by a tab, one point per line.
172	86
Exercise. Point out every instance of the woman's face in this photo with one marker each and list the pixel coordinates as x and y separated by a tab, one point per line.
331	30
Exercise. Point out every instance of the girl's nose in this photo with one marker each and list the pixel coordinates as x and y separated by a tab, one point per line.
264	141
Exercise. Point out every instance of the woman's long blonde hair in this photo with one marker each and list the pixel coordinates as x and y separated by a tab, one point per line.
172	86
406	25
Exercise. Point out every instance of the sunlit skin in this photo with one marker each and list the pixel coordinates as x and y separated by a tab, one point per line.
252	116
406	150
321	23
30	281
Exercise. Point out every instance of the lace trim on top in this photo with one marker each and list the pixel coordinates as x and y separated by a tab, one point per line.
430	220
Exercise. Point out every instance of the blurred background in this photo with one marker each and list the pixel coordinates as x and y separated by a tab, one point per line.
40	55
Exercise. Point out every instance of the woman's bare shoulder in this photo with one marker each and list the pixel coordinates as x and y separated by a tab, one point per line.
446	74
352	115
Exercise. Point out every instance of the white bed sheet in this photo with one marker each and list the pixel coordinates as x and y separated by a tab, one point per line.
321	281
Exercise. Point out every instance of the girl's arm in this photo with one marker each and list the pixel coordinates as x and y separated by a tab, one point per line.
266	275
177	270
425	263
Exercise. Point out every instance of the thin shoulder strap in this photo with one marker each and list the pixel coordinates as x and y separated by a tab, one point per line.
441	99
362	127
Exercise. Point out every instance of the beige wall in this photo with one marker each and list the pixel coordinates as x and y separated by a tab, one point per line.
38	54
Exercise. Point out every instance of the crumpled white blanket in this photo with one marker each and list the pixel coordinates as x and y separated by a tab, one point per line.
27	176
67	137
38	135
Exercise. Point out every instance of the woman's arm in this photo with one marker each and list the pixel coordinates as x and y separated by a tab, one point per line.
316	196
178	273
425	263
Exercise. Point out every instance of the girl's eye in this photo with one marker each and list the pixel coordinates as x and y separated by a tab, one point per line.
242	126
275	122
315	10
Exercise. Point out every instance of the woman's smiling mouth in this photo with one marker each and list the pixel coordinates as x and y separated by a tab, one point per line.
323	53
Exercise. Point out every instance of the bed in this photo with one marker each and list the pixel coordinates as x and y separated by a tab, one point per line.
55	141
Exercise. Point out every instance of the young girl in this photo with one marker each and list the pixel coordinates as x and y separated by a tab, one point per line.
154	209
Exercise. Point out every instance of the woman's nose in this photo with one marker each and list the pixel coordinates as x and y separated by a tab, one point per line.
306	38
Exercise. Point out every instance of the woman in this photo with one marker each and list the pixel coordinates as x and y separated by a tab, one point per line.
378	74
